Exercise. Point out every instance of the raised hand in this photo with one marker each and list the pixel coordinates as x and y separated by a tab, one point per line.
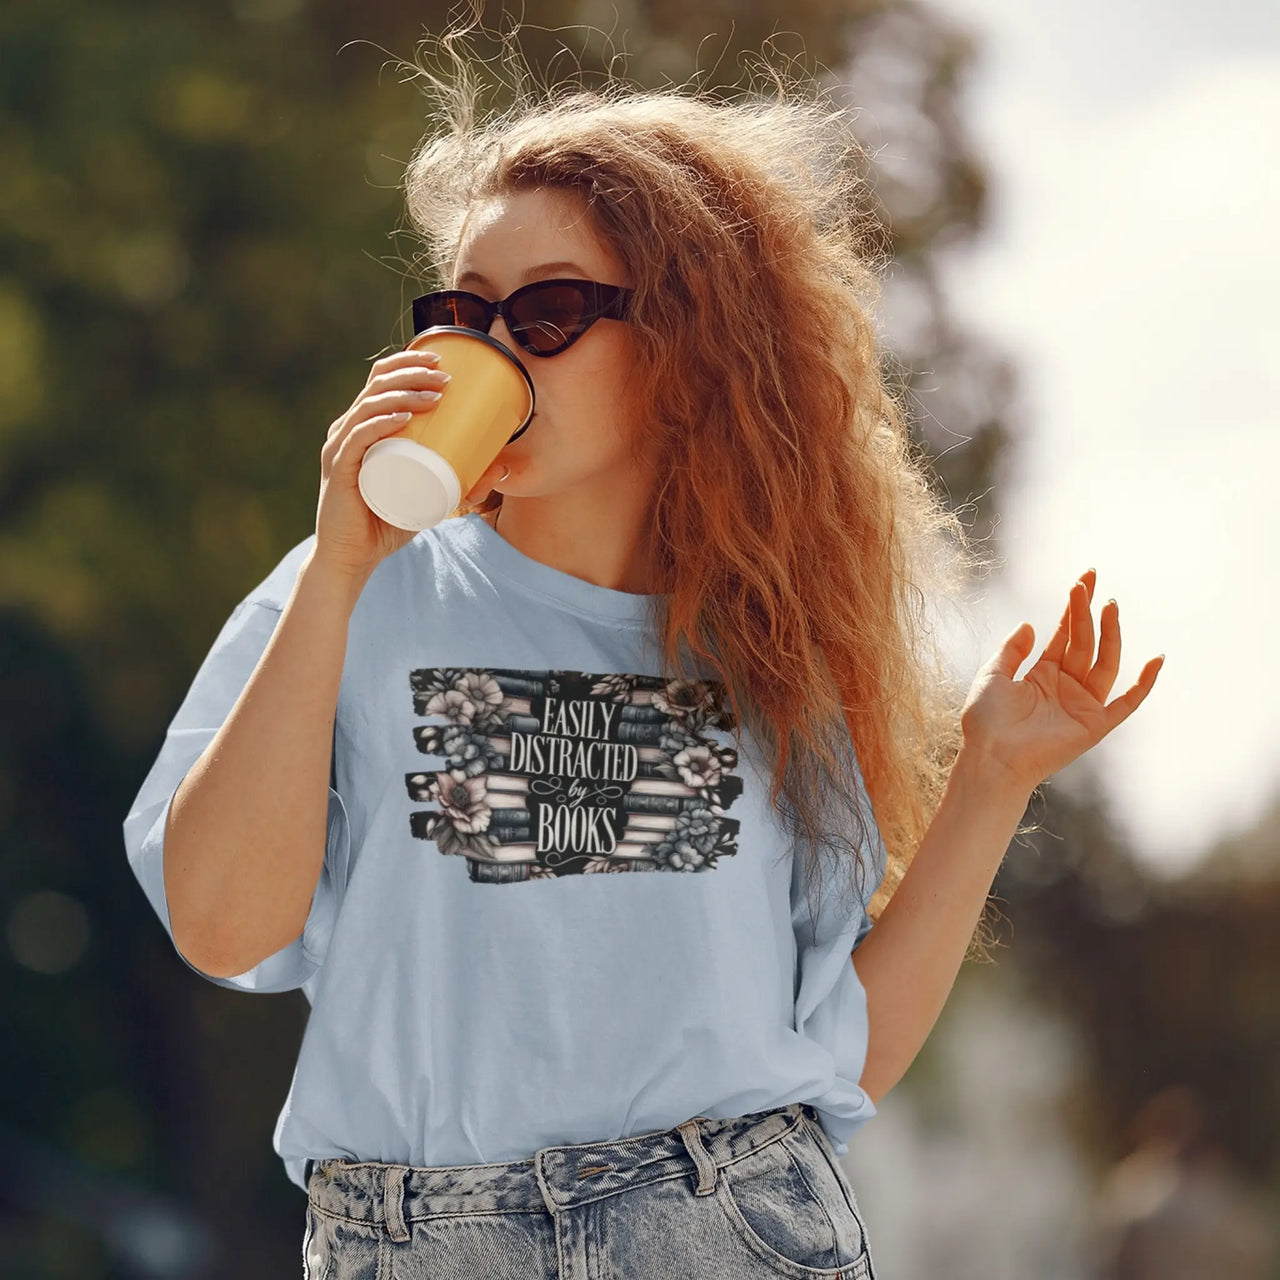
1035	726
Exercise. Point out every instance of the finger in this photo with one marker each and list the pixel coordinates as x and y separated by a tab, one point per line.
372	409
364	434
408	377
1057	646
335	446
409	400
1119	710
415	399
1103	675
1079	655
401	360
1013	652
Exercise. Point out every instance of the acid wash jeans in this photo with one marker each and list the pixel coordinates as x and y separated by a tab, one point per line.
746	1198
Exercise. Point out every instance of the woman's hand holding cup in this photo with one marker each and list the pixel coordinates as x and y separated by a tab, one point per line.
351	538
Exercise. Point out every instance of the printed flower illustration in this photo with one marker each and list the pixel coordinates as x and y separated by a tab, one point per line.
695	843
686	700
464	749
463	800
695	761
474	699
699	766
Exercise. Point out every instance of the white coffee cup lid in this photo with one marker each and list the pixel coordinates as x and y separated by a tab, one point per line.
407	484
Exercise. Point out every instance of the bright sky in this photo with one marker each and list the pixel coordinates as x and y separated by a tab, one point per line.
1130	271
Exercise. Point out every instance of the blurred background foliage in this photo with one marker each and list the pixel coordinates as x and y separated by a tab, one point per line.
202	248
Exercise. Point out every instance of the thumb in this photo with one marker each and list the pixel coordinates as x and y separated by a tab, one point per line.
1014	651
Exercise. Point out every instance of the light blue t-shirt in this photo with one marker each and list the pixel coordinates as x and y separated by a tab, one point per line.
477	991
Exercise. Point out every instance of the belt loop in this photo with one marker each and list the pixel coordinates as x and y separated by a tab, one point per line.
706	1167
393	1201
541	1174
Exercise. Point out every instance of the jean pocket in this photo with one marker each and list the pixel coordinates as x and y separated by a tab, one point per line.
788	1206
818	1137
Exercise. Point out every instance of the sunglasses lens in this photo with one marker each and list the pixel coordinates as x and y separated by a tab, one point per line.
549	318
446	308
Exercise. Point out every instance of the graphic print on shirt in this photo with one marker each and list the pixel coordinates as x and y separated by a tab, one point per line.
551	773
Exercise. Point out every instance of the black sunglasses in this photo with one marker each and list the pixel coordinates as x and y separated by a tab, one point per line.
545	317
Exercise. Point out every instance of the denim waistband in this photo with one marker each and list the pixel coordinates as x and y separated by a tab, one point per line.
553	1178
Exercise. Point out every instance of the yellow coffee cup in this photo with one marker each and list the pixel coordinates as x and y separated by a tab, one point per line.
417	477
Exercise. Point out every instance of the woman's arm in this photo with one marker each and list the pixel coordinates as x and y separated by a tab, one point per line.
1017	733
244	841
908	963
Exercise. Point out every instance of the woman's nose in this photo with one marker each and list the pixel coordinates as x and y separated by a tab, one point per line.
498	330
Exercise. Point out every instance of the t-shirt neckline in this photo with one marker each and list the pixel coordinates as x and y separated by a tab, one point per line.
473	536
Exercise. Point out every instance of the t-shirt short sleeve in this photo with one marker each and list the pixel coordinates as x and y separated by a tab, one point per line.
874	860
831	1003
213	693
852	919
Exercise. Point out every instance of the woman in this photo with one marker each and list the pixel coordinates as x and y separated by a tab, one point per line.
673	628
